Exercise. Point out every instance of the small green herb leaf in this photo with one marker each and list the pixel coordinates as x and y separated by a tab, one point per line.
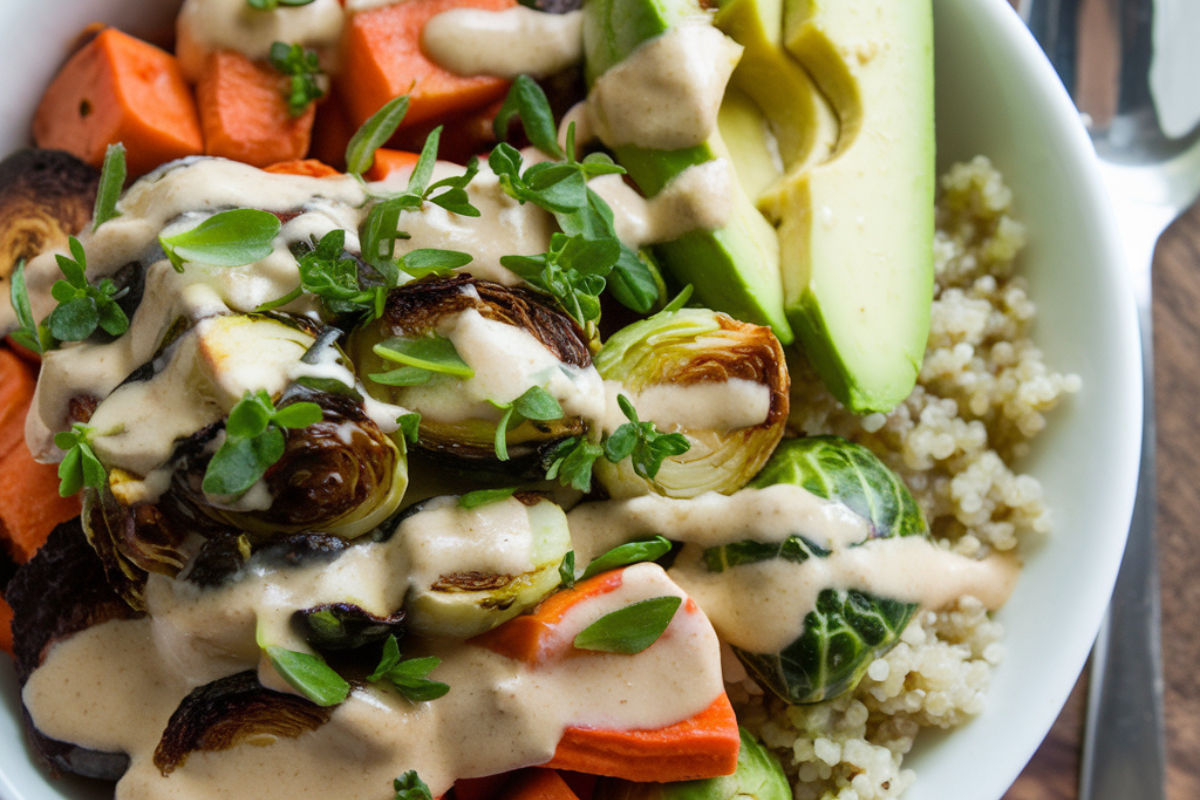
571	462
303	67
626	554
631	629
254	441
112	182
408	675
642	443
410	426
29	335
410	787
82	307
482	497
229	239
435	354
534	403
566	570
374	133
527	101
80	467
310	675
271	5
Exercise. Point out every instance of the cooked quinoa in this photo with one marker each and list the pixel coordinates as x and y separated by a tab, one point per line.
982	394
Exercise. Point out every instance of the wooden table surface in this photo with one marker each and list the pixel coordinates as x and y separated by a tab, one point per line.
1052	774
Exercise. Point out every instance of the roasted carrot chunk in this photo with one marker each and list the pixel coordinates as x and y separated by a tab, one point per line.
383	59
120	89
331	134
389	161
244	112
537	783
309	167
704	746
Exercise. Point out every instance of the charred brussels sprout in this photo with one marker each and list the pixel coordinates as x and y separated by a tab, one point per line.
475	567
758	777
462	352
685	370
848	628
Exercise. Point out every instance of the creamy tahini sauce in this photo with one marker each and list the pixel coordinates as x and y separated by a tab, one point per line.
698	198
508	43
720	406
665	95
498	715
761	607
507	360
206	26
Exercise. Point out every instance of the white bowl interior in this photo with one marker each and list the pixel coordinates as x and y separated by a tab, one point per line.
997	96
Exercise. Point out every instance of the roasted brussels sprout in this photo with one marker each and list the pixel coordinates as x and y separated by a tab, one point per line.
758	777
475	567
221	714
463	352
720	382
45	196
62	591
345	626
848	628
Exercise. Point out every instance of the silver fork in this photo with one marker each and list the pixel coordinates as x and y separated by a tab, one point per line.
1109	54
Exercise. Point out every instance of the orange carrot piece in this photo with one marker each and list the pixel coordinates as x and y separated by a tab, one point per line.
120	89
6	616
244	113
331	133
16	392
29	503
383	59
485	788
537	783
530	637
309	168
704	746
389	161
582	784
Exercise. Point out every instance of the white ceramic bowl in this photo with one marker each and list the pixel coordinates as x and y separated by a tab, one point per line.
997	96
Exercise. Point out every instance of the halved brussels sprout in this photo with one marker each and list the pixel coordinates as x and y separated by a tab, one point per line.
720	382
460	351
849	628
758	777
228	711
345	626
475	567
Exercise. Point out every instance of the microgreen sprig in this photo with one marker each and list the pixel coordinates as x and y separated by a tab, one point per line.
560	187
82	307
410	426
302	67
642	443
374	133
629	553
534	403
573	272
571	461
421	359
254	442
30	335
80	467
231	238
326	273
408	675
112	182
308	674
410	787
631	629
483	497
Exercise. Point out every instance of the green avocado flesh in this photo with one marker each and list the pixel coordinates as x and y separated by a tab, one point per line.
735	268
856	231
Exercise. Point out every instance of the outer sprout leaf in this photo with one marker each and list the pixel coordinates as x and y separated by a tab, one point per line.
360	152
310	675
410	425
631	629
112	182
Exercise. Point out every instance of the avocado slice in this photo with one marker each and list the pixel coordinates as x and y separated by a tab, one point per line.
735	268
856	232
